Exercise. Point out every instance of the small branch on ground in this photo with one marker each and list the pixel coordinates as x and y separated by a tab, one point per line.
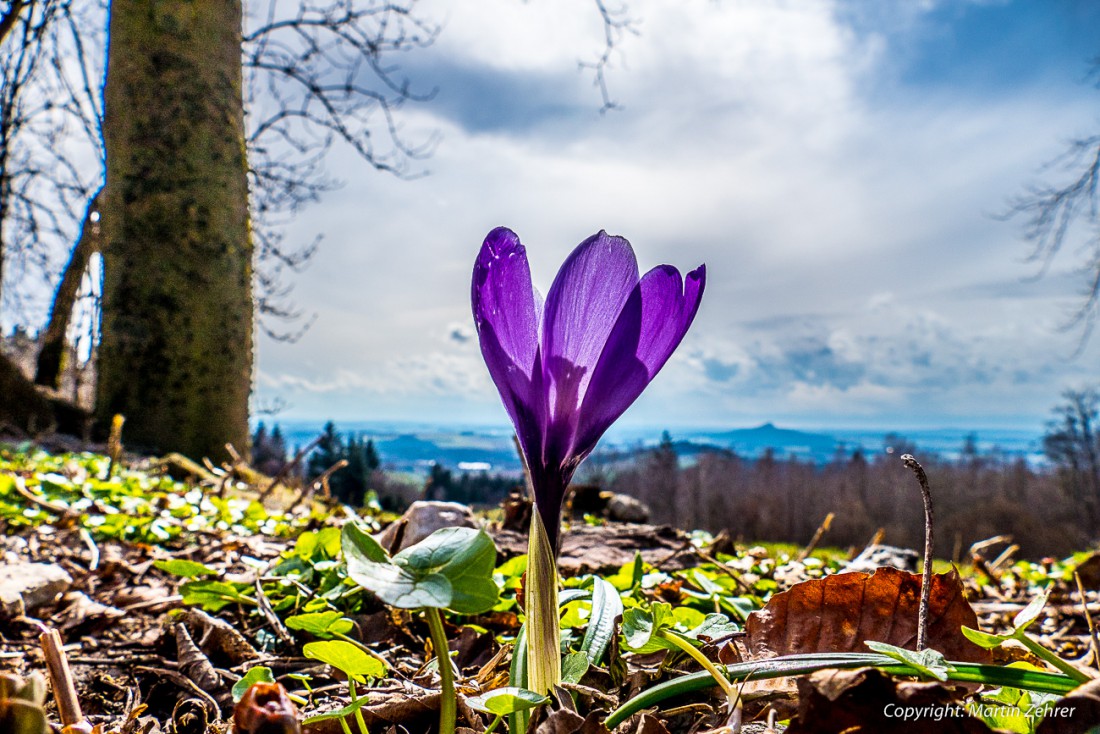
1089	620
61	680
926	581
821	530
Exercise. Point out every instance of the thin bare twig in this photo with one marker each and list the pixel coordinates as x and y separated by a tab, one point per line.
926	581
184	682
269	614
1091	622
61	679
821	530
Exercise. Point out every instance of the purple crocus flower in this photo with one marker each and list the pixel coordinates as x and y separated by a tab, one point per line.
568	368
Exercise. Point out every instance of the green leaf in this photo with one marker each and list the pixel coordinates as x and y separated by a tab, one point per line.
450	569
340	713
506	701
607	605
513	569
575	614
638	571
358	545
686	618
517	676
321	624
186	569
353	661
926	662
259	674
983	639
574	666
1031	612
565	596
213	595
714	627
709	587
641	627
330	541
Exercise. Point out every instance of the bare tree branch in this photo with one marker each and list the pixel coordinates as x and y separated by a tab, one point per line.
1051	211
48	369
7	20
616	25
319	73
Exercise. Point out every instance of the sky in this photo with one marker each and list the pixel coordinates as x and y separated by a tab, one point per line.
840	166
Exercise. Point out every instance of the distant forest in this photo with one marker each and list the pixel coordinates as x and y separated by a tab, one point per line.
1049	510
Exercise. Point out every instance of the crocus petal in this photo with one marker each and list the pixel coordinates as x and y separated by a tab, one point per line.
506	316
580	311
652	324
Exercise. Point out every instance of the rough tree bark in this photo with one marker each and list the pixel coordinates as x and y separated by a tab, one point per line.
176	350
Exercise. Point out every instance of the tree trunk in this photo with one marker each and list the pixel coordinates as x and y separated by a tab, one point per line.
176	351
50	354
25	409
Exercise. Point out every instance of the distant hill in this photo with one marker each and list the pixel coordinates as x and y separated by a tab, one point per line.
784	441
414	448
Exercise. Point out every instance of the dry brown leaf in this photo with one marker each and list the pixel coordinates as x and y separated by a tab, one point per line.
217	638
1089	571
1077	713
398	703
867	701
564	721
839	613
650	724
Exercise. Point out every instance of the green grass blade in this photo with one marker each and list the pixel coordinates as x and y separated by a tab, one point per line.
606	606
794	665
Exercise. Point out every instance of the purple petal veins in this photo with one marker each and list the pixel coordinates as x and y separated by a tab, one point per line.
567	370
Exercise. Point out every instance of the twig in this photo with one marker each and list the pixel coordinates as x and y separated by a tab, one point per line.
1091	622
321	481
1005	557
114	443
153	603
270	616
93	549
61	679
821	530
725	569
876	539
288	468
926	581
21	488
184	682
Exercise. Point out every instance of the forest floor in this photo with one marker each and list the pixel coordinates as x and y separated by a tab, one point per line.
167	593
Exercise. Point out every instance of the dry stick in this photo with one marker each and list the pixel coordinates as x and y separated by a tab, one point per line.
61	679
185	683
270	616
114	444
1091	622
21	488
726	570
821	530
321	481
289	467
93	549
926	581
876	539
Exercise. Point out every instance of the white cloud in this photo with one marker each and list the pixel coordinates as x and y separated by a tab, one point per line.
853	266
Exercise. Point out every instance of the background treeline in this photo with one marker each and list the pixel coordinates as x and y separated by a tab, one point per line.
1048	509
975	498
1052	509
363	473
